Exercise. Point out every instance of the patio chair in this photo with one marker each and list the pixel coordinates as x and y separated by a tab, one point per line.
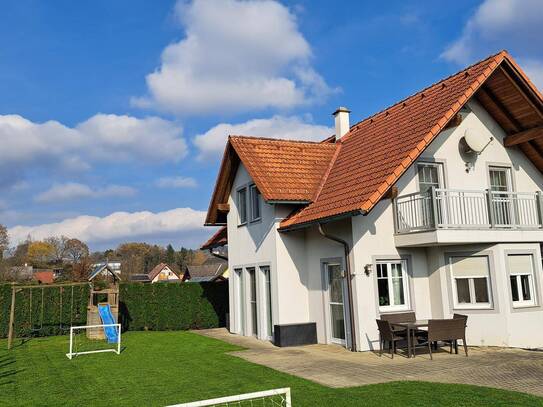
387	334
399	317
447	330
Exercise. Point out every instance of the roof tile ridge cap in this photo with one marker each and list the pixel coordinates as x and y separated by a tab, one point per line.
432	134
519	70
488	58
328	171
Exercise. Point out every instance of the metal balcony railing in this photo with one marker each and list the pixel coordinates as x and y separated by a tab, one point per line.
462	209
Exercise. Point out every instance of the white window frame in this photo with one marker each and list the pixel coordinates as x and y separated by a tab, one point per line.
521	303
405	285
440	172
252	192
472	304
239	203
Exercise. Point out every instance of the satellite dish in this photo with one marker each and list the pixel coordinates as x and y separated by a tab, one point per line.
475	141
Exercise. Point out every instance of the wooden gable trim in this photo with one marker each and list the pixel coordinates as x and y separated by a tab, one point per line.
523	136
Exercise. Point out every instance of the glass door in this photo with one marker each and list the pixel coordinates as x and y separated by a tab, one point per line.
267	300
502	203
336	291
239	297
252	300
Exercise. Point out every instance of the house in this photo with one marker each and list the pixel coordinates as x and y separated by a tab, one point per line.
44	276
160	273
432	205
212	270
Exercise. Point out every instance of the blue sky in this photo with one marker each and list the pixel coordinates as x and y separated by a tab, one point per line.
113	115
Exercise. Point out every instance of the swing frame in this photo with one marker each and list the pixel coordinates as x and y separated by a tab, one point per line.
18	288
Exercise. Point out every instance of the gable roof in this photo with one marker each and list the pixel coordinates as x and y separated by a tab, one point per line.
353	174
283	170
377	151
219	239
99	268
44	276
206	272
157	269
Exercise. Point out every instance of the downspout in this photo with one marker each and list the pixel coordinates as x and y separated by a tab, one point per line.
347	251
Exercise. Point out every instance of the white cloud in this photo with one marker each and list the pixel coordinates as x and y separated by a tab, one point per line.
503	24
211	143
176	182
52	145
236	56
117	226
74	190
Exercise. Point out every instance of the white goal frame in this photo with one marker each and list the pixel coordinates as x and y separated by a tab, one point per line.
240	397
71	353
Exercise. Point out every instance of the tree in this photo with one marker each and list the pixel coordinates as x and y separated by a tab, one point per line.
170	255
40	253
59	247
4	240
80	270
76	250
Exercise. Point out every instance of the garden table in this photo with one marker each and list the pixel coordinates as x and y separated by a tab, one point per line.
411	328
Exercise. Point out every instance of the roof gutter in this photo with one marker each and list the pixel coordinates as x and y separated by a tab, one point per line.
347	252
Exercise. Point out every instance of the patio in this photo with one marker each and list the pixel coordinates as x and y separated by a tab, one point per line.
334	366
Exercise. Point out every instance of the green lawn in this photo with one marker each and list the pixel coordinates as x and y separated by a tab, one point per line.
161	368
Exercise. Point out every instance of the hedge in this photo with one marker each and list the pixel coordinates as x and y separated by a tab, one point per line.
164	306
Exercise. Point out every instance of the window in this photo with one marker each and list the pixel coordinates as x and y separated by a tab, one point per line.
242	205
471	282
392	285
240	300
252	299
430	175
521	276
267	292
255	203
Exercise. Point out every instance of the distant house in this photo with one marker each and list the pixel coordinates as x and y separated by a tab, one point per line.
213	270
20	273
160	273
114	266
44	276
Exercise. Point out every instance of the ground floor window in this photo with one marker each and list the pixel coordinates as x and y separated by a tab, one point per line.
471	281
521	276
268	302
392	285
252	300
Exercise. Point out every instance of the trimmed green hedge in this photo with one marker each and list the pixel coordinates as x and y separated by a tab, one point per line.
165	306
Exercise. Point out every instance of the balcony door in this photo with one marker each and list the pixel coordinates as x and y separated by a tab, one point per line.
501	187
430	175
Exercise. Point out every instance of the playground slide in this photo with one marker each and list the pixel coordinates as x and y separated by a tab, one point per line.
107	318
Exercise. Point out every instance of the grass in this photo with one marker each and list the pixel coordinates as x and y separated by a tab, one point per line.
161	368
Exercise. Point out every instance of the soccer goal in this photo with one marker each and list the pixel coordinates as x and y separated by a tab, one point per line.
276	397
94	339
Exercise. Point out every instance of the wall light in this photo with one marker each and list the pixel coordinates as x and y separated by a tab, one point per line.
367	269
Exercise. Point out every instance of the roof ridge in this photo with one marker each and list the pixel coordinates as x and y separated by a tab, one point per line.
327	172
503	52
278	139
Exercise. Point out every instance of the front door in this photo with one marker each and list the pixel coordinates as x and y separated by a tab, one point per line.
500	187
336	302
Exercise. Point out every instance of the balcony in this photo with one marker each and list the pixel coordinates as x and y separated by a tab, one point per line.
450	216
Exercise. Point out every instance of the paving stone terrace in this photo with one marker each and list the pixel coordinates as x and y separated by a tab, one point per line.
333	366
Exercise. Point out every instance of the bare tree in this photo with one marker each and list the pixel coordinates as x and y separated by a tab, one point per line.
76	250
58	243
4	240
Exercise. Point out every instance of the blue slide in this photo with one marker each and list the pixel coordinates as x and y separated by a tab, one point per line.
107	318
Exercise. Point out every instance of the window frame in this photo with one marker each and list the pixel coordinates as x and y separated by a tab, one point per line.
519	304
440	166
239	201
472	304
254	191
405	285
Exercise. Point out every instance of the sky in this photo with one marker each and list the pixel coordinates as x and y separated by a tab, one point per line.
114	114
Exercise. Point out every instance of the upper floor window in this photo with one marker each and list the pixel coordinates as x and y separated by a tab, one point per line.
471	282
430	175
521	277
392	285
256	208
242	205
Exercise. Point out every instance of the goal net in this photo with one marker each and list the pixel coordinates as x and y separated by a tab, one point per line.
94	339
276	397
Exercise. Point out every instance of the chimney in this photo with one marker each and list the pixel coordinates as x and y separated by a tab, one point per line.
341	116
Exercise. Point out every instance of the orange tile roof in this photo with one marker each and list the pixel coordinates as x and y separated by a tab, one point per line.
284	170
377	151
219	238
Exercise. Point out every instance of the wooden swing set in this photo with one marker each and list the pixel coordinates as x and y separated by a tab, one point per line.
36	328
